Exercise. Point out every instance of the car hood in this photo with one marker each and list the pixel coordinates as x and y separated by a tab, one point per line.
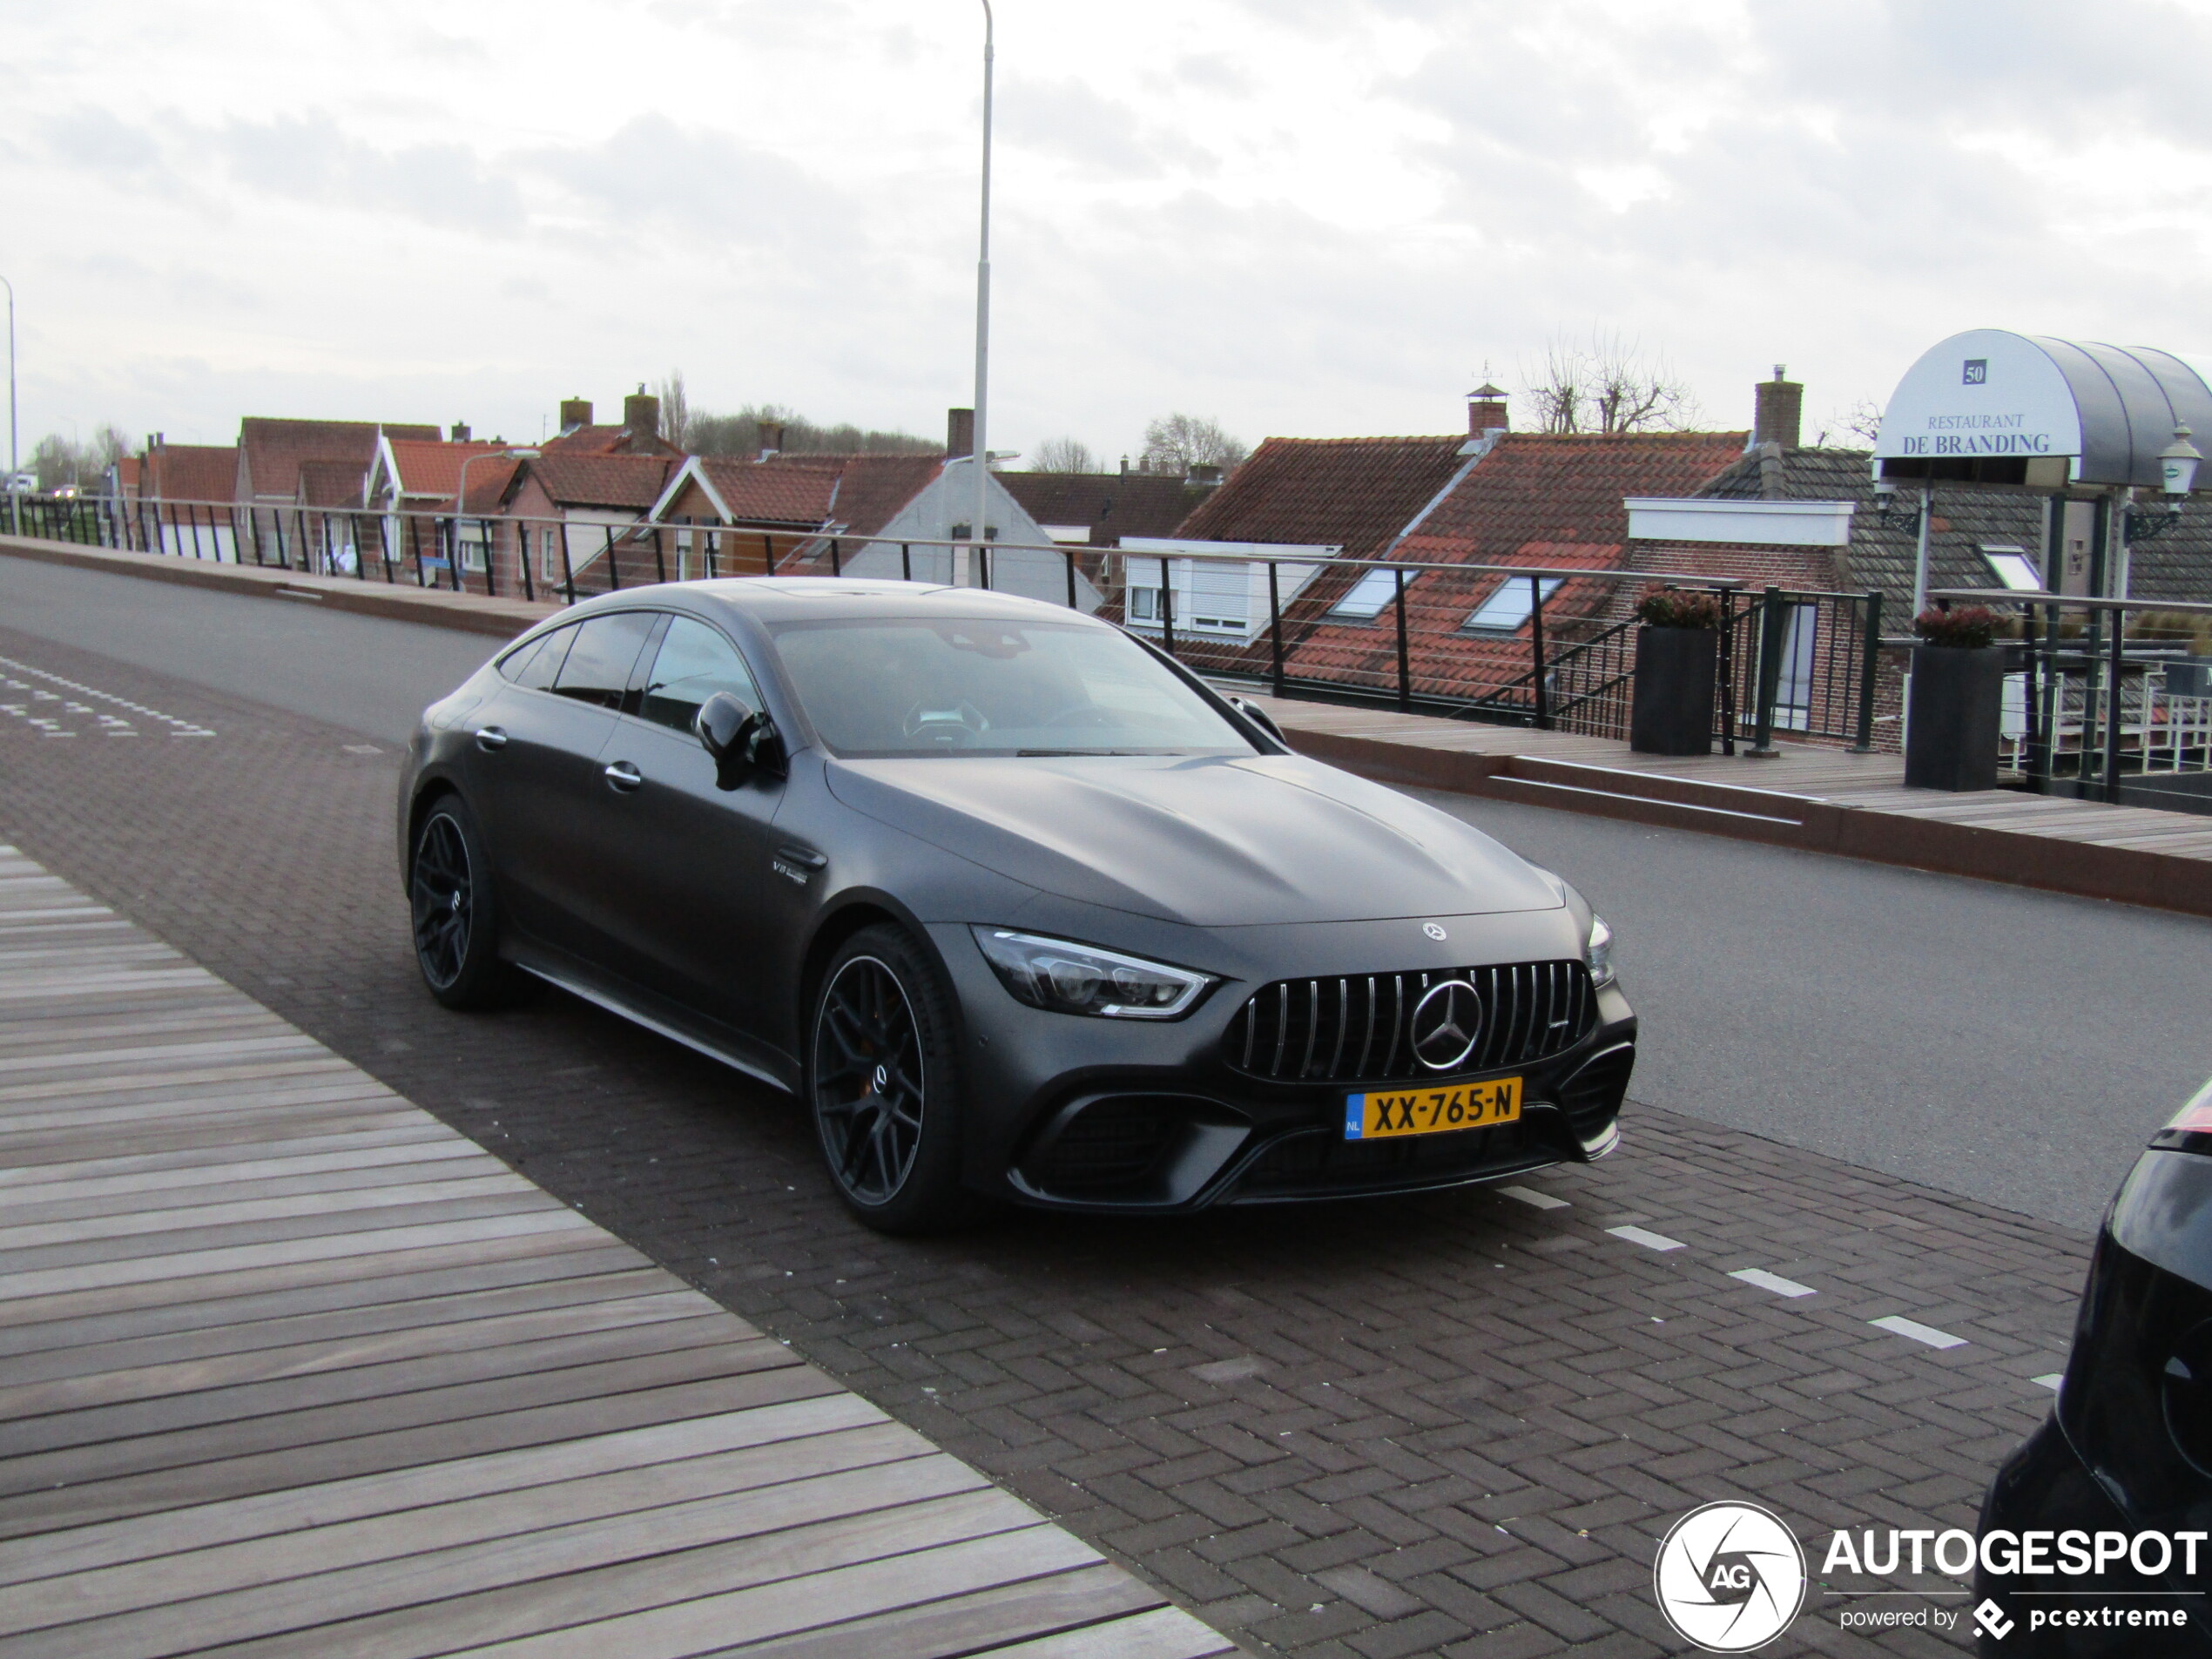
1212	841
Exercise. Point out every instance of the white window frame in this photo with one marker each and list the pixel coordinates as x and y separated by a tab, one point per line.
1517	588
2023	578
1381	583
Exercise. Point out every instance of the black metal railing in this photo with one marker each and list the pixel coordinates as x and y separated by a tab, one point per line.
1560	655
2105	698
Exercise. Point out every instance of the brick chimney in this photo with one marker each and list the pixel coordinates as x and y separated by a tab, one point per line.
959	432
1779	410
768	437
460	432
1486	410
574	412
641	414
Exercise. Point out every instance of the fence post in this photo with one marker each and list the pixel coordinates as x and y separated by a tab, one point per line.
1405	676
1068	554
2113	699
906	561
1770	625
1867	670
521	536
1275	619
1536	650
1167	606
1727	668
837	559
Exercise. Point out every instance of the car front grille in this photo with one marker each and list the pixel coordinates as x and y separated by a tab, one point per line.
1356	1028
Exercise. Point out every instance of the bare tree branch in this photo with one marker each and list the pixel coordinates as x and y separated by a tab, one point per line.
1179	442
1065	455
1607	386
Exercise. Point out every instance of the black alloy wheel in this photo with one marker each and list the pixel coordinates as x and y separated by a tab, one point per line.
455	917
880	1082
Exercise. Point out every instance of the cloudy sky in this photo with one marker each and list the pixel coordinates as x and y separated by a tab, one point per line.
1311	216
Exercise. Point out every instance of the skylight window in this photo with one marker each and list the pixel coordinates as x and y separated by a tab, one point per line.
1507	610
2012	567
1369	597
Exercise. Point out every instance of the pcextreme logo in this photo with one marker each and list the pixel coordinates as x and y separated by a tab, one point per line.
1729	1577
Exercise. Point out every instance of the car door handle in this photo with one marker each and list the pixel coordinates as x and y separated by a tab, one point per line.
624	775
805	856
491	737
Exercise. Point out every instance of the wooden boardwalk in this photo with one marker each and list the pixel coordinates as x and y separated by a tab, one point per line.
1822	799
289	1368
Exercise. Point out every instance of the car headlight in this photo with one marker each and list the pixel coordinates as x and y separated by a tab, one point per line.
1598	953
1082	979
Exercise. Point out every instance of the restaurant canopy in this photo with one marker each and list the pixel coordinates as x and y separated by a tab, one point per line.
1995	407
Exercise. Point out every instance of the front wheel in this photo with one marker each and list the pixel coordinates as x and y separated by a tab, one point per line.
883	1087
455	911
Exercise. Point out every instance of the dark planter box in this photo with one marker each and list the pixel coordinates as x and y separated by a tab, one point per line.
1950	734
1672	713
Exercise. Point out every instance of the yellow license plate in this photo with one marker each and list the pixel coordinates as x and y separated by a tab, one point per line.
1430	1111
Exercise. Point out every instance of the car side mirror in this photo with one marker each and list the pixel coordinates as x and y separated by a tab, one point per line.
741	738
1260	717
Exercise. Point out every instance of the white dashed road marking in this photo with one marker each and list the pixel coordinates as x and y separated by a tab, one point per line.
1898	1325
1774	1282
2050	1381
1648	1240
1536	1200
114	725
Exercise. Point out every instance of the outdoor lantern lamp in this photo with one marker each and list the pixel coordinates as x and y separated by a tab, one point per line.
1889	507
2177	465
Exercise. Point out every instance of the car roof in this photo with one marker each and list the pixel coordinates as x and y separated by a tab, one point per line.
814	598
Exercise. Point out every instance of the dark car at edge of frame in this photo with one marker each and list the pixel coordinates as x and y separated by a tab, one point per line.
1018	907
2117	1484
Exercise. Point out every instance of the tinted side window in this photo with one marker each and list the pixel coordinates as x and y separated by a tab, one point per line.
598	669
535	665
695	662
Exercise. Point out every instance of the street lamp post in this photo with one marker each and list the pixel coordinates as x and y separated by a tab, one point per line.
14	502
460	504
982	459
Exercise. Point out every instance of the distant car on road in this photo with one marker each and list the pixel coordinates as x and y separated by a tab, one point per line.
2125	1459
1013	904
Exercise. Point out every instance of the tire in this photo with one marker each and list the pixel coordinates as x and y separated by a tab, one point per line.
883	1085
455	911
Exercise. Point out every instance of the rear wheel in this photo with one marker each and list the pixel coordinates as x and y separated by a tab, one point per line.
456	912
882	1085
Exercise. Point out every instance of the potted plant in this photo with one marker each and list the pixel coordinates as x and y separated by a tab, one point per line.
1951	727
1671	710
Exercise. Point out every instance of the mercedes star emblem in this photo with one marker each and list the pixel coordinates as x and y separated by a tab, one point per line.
1447	1021
1434	929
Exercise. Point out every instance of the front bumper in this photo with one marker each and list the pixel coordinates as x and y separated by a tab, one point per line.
1135	1117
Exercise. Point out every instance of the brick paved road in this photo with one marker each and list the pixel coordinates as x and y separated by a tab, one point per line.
1454	1425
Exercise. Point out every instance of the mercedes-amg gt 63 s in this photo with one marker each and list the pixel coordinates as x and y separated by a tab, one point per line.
1016	905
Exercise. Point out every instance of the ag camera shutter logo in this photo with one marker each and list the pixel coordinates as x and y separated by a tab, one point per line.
1729	1577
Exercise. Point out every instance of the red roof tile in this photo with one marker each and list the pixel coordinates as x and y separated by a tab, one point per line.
330	483
798	490
191	472
1356	493
1534	500
609	441
432	469
271	450
1111	505
575	480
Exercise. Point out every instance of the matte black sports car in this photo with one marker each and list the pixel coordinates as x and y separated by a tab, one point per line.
2105	1512
1017	907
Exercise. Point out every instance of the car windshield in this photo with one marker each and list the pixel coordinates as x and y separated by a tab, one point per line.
894	686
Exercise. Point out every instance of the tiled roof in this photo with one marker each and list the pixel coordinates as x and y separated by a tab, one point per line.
2175	565
1532	499
1356	493
797	489
871	489
191	471
1111	504
432	468
272	449
601	480
609	441
330	483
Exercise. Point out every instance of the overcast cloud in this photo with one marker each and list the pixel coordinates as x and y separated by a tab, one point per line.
1317	217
